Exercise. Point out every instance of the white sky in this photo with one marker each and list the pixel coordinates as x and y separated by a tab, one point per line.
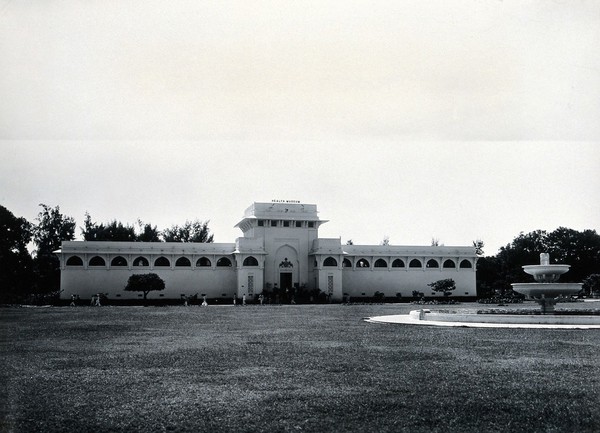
449	119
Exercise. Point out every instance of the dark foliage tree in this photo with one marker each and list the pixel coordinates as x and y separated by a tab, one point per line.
580	250
117	231
191	231
52	228
591	284
144	283
16	264
445	286
147	232
488	281
524	249
478	245
88	231
112	231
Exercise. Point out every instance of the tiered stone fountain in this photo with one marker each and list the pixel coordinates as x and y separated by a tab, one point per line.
546	290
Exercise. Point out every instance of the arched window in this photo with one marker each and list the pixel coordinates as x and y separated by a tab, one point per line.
162	261
141	261
74	261
97	261
183	262
431	263
465	264
224	262
203	261
449	264
118	261
250	261
415	263
398	263
362	263
346	263
380	263
330	261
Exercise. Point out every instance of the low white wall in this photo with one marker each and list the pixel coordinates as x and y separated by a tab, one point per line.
355	282
87	282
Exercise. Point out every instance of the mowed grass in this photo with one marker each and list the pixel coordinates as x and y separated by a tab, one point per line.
288	368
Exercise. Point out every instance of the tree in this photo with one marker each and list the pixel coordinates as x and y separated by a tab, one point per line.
580	250
147	233
349	242
113	231
117	231
144	283
525	249
591	284
386	240
52	229
16	264
443	286
196	231
488	277
478	245
89	229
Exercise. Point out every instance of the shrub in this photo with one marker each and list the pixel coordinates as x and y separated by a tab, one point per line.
443	286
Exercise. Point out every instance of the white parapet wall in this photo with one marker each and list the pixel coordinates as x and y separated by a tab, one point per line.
86	283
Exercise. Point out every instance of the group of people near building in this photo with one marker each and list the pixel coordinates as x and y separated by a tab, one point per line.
95	301
260	298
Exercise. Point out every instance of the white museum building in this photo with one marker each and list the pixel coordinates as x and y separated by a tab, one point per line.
280	248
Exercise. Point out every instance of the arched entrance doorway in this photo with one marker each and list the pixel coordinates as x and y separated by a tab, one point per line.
286	274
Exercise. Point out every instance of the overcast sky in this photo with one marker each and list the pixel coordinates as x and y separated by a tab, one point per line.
453	120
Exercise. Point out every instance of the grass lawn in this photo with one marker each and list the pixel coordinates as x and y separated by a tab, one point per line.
287	369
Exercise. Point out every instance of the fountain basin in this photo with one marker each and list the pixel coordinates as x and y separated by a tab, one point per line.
471	320
546	273
469	317
547	290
